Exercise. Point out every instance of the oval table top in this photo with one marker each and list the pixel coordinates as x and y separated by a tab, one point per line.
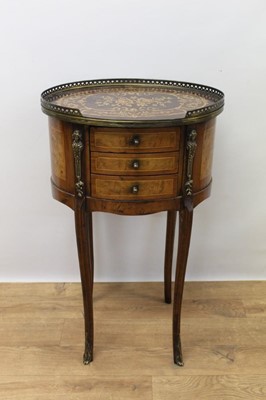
132	102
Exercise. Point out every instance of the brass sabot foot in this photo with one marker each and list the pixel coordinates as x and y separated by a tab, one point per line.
179	360
87	356
178	357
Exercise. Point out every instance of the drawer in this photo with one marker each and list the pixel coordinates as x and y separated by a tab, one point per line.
135	140
133	188
134	164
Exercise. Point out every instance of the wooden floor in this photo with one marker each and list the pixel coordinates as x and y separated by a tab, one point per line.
223	335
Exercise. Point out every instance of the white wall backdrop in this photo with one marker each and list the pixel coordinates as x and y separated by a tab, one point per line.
44	43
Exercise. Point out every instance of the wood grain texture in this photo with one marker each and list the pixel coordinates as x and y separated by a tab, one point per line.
207	152
134	164
168	255
120	140
57	148
121	188
202	166
83	225
77	387
223	335
210	387
61	154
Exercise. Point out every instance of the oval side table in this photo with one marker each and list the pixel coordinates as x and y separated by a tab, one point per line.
132	147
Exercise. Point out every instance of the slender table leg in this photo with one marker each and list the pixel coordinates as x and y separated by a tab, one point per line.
185	226
90	236
83	222
168	259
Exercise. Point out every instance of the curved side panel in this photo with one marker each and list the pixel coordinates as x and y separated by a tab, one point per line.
144	207
64	197
127	207
62	162
202	169
202	195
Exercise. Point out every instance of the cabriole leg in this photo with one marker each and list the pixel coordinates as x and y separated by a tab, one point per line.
168	259
185	226
83	222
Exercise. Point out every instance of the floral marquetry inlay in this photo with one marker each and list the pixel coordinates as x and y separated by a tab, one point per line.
133	103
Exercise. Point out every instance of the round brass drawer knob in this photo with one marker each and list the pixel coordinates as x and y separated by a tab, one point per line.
135	140
135	189
135	164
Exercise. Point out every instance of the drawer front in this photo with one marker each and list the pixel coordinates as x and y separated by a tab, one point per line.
133	188
134	140
134	164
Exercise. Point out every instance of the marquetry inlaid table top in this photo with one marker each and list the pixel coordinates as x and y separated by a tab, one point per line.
132	101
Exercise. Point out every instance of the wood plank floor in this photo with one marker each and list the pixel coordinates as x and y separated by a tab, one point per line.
223	336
